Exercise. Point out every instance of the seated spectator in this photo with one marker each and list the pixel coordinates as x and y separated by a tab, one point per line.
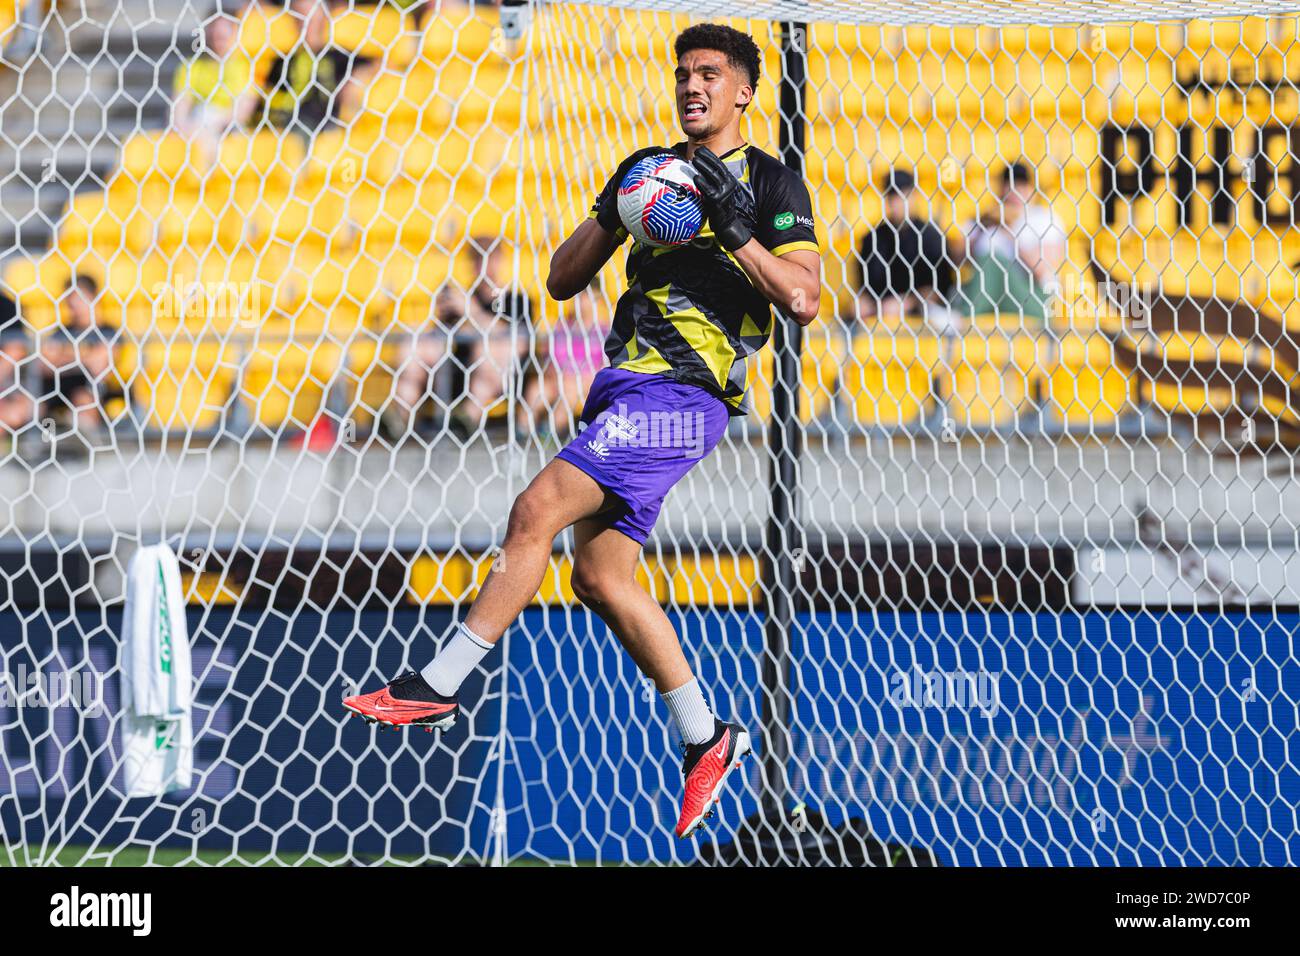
8	312
99	395
78	303
16	406
306	84
906	269
575	353
1014	254
424	368
57	364
496	332
214	92
79	382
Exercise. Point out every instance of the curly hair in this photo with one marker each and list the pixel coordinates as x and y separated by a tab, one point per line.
739	48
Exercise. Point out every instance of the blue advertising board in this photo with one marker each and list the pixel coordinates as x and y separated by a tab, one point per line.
1099	738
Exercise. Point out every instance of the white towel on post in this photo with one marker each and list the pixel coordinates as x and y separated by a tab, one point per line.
157	730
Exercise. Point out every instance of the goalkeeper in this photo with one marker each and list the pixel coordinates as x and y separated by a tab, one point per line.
677	354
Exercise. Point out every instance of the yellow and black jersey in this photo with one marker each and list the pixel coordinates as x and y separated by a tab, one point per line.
690	311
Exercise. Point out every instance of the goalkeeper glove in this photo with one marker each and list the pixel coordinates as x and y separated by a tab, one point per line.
725	202
607	204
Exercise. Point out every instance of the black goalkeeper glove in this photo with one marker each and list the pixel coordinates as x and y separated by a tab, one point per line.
607	204
725	202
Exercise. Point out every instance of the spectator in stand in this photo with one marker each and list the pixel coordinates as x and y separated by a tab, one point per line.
906	268
8	312
306	85
424	367
16	406
98	394
1014	254
497	332
77	306
79	383
576	352
214	92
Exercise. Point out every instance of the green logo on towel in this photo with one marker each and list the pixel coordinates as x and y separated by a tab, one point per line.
164	626
163	738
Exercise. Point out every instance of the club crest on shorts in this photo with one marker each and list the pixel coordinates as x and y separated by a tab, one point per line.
618	429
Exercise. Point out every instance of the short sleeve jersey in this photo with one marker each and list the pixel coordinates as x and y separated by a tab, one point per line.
690	312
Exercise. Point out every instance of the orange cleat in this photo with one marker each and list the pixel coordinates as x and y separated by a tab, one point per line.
706	767
407	700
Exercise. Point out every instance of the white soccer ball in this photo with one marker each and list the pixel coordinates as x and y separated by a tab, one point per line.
658	202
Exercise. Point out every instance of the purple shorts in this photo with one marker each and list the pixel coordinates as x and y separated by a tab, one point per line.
644	432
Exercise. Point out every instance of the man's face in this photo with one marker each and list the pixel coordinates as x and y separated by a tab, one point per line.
897	206
80	309
94	358
710	93
1018	195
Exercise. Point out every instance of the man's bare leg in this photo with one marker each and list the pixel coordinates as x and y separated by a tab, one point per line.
560	495
604	579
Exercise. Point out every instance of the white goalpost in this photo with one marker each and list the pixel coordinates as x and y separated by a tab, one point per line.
1002	569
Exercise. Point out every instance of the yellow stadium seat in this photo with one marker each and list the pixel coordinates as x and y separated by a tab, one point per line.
183	384
265	158
1086	388
132	284
102	222
464	34
890	380
991	376
343	158
407	274
264	34
285	381
820	368
377	32
1181	367
371	362
163	158
38	285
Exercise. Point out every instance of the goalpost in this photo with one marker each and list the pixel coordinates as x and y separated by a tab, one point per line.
1005	573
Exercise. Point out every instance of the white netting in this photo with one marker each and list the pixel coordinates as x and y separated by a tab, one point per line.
1045	567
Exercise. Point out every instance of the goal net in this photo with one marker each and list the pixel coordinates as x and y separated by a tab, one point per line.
1021	590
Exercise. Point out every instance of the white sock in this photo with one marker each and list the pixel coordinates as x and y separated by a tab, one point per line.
690	712
462	652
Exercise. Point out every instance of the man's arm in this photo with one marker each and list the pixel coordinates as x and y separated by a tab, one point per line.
579	259
792	282
590	246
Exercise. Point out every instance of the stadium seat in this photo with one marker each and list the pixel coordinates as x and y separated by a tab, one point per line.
38	286
264	159
370	363
820	369
990	377
379	32
285	380
264	34
890	380
491	93
183	384
1086	388
1182	377
456	34
163	158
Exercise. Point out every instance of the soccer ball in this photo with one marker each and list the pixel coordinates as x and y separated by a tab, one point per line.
658	202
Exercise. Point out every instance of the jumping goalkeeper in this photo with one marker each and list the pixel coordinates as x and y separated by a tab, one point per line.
677	352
